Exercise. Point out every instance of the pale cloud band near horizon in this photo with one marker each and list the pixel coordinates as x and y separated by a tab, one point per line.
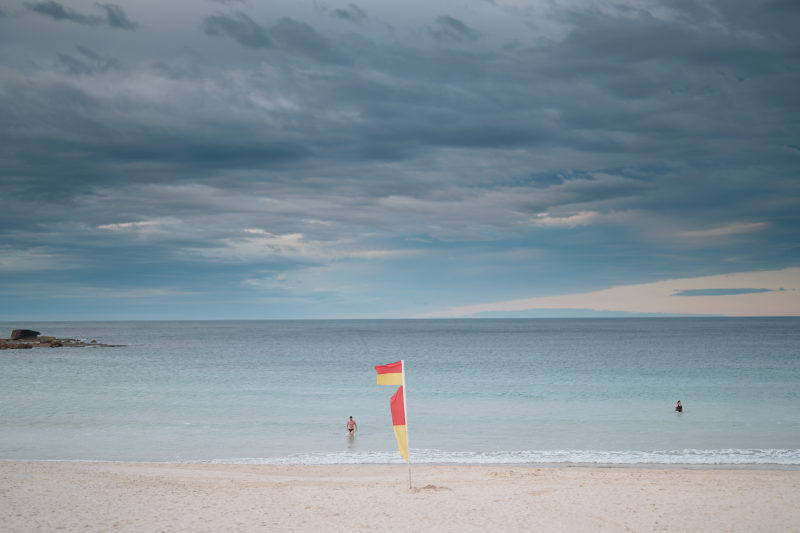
777	295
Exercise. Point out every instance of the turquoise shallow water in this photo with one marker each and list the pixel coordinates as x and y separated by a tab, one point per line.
478	391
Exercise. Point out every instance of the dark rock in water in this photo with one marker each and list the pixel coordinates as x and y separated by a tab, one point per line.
21	334
25	338
6	344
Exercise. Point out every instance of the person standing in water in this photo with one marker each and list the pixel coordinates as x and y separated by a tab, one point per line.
351	427
678	407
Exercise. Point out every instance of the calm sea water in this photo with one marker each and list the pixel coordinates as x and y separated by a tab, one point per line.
478	391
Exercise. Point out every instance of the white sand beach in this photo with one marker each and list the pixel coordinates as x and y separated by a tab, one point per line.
78	496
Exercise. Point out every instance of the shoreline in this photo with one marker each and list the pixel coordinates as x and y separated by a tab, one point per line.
634	466
125	496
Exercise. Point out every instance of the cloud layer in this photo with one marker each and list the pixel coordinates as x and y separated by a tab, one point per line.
114	16
370	159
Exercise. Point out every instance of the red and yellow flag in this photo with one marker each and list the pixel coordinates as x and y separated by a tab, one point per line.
391	374
399	422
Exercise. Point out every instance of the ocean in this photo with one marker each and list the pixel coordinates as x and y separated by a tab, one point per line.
479	391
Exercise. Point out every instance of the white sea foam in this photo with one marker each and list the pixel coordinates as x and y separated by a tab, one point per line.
783	457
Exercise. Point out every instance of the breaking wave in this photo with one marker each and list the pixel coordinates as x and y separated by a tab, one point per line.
783	457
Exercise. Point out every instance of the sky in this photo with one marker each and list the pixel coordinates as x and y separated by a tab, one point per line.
235	159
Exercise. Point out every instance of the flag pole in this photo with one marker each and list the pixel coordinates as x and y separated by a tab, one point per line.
405	411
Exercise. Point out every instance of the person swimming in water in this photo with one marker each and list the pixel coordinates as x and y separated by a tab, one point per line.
678	407
351	427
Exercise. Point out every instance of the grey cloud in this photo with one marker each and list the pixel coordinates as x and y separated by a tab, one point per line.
86	139
75	66
740	37
451	29
351	13
414	121
57	11
765	19
238	27
287	34
651	40
424	100
88	63
305	40
175	72
115	16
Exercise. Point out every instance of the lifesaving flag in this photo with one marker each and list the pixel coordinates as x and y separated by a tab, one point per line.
391	374
398	406
394	374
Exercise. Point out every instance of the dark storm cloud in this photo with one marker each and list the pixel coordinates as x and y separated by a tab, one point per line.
445	99
115	16
351	13
238	27
451	29
604	89
658	85
84	140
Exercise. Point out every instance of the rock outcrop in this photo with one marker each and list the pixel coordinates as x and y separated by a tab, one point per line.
26	338
23	334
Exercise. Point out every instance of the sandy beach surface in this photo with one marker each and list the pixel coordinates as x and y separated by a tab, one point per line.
77	496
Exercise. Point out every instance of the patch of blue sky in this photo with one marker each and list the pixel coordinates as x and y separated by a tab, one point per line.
721	292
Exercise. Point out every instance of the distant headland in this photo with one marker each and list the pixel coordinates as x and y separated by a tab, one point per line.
27	338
